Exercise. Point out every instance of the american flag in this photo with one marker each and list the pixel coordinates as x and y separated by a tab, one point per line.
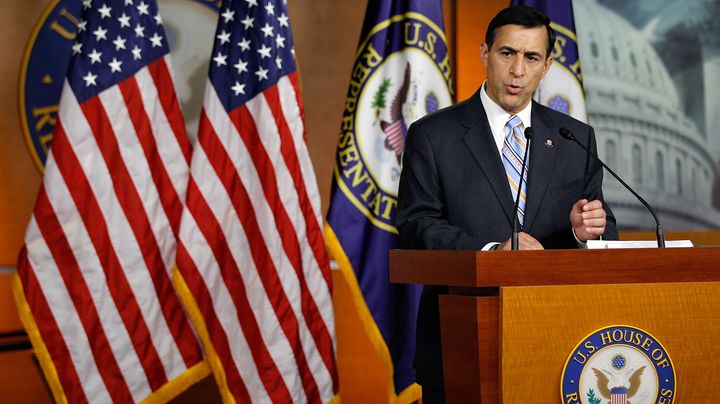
252	263
94	276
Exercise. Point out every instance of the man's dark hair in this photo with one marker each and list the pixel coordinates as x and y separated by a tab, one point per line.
520	15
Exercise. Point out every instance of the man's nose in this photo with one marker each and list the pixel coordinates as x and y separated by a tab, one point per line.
517	67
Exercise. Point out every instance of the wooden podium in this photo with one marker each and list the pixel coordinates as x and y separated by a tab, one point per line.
511	319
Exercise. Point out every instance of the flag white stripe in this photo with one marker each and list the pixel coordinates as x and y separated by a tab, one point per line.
269	136
222	302
90	268
133	155
219	202
63	311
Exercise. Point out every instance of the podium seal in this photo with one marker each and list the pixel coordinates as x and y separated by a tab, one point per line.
618	364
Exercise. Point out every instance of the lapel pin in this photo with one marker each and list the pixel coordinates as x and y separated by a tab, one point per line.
548	143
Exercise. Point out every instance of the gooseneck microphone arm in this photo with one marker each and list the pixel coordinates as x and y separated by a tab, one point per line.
658	232
514	239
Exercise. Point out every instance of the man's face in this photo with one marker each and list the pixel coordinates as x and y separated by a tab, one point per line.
515	65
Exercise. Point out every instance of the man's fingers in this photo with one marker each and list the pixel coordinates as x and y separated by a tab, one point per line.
592	205
579	206
594	222
528	242
598	231
525	242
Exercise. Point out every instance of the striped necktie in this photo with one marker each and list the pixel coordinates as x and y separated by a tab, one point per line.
513	151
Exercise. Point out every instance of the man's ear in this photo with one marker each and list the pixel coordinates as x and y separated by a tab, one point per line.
548	63
484	51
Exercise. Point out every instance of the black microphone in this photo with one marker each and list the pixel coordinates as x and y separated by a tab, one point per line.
659	233
514	240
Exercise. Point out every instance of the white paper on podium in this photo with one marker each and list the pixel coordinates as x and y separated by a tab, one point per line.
601	244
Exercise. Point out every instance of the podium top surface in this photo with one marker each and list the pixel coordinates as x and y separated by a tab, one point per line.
555	267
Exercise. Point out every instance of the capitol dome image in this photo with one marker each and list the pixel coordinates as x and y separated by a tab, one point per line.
638	110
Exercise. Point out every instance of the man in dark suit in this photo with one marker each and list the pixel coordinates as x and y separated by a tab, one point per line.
456	189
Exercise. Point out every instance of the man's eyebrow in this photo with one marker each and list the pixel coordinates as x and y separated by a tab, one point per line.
533	53
506	48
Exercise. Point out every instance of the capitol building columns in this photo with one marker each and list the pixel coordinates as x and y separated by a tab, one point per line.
643	131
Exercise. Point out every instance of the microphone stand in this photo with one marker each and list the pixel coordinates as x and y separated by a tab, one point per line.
658	231
514	239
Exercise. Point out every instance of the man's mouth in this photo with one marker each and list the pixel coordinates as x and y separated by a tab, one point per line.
513	89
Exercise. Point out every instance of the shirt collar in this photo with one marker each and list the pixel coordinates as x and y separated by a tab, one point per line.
498	117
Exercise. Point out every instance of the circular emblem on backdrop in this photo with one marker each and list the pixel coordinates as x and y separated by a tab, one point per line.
561	88
618	364
401	73
189	26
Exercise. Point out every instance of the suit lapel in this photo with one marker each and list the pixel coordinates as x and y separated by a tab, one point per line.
542	159
480	142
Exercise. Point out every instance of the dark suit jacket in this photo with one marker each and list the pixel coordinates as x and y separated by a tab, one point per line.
454	194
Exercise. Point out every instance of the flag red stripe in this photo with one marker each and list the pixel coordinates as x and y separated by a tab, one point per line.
98	231
77	288
168	99
315	322
217	334
224	168
141	122
171	308
230	273
49	331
